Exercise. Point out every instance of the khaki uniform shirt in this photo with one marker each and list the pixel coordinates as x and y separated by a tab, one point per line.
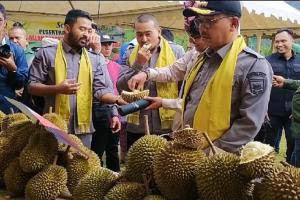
127	72
43	71
249	100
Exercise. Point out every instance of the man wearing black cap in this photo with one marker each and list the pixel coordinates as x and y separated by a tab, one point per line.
104	139
226	92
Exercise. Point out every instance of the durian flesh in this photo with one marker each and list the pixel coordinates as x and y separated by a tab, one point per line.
254	150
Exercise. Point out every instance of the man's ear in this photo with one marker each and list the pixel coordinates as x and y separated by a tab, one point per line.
67	28
235	22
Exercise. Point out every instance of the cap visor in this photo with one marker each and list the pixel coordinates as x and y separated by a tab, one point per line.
188	12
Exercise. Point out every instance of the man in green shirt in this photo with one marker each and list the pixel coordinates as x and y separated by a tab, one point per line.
280	82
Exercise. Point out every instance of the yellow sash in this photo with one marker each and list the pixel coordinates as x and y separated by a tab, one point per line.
213	112
165	90
84	95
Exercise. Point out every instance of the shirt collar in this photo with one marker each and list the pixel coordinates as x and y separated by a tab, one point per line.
221	52
67	48
3	42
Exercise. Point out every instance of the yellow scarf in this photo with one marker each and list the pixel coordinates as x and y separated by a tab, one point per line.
213	112
165	90
84	95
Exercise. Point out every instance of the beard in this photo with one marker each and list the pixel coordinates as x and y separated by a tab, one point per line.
76	42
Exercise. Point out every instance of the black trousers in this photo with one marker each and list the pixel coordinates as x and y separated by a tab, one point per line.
277	123
103	139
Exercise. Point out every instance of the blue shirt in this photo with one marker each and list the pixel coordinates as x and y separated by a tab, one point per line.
11	81
281	100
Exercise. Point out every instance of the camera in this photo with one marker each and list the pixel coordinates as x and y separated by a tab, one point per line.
5	51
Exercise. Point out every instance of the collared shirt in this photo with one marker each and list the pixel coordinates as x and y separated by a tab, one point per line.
281	100
249	100
11	81
127	72
43	71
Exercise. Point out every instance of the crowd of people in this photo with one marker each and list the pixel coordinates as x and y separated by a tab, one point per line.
219	86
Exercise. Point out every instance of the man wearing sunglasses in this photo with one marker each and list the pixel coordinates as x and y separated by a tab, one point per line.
226	92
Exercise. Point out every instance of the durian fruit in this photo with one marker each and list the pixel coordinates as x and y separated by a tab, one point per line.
188	137
218	178
5	159
2	116
56	120
47	184
135	95
154	197
39	152
126	191
78	166
283	184
140	157
15	178
95	184
11	118
257	160
175	169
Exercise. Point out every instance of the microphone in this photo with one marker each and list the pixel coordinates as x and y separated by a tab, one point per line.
133	107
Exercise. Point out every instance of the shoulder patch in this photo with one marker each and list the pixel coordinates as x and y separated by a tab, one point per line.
257	82
252	52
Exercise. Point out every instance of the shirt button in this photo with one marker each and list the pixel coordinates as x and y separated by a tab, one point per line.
188	98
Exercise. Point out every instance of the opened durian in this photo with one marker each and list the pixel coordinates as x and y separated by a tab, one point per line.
135	95
95	184
257	160
126	191
139	160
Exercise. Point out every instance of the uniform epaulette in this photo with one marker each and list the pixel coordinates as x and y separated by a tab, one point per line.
252	52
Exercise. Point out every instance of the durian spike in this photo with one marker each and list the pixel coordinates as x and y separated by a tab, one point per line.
212	146
50	109
12	110
146	125
55	160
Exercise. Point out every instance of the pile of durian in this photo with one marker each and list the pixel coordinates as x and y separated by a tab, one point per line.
34	165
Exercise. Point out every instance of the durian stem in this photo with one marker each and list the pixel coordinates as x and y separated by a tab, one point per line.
12	111
146	125
146	183
212	146
55	160
50	109
285	164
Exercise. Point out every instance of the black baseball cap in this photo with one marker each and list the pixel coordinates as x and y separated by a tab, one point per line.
106	38
215	7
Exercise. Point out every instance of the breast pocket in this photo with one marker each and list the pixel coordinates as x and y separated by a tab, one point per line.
296	69
278	70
